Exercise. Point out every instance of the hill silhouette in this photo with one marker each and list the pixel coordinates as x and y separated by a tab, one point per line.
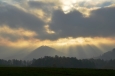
108	55
43	51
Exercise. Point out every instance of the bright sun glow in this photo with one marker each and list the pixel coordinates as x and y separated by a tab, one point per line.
67	5
83	6
67	43
60	42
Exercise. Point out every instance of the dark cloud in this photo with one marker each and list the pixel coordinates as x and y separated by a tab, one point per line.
13	16
74	24
46	7
100	23
40	4
17	18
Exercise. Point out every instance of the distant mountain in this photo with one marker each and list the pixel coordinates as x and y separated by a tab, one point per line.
43	51
87	52
108	55
77	52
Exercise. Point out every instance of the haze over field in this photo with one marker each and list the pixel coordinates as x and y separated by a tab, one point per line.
79	28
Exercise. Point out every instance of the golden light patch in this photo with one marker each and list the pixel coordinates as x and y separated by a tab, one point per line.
62	43
66	44
20	31
41	14
85	11
20	43
48	30
81	41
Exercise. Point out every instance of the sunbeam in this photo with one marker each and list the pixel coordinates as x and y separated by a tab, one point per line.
80	28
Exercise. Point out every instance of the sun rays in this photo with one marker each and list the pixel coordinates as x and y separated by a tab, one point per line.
69	26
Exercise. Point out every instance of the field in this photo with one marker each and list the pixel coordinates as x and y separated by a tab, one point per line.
29	71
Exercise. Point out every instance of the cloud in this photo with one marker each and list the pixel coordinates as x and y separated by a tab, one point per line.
99	23
48	30
48	20
15	17
35	15
15	34
88	5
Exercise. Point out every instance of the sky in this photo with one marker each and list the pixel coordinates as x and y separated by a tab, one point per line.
61	24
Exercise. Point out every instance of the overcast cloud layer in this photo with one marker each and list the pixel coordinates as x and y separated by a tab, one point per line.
27	24
35	15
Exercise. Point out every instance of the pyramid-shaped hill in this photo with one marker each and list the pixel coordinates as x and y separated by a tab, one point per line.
108	55
43	51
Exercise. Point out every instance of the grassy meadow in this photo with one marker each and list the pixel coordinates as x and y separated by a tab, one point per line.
33	71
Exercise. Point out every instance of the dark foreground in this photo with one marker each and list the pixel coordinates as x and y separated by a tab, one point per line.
13	71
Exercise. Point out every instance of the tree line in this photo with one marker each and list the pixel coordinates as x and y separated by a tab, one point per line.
60	62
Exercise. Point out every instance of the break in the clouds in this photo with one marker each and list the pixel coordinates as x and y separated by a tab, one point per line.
49	20
99	23
25	23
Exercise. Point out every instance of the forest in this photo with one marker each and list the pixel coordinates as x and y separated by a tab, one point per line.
60	62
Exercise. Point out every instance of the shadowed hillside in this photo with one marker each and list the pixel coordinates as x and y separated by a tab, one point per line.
108	55
43	51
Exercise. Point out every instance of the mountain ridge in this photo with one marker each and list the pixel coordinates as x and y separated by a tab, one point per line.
108	55
43	51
